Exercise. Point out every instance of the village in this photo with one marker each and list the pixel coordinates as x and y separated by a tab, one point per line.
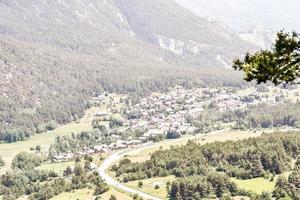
161	115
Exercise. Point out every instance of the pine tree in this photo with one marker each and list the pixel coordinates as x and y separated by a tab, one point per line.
279	65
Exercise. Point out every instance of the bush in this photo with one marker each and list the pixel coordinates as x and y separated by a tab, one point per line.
140	184
77	160
88	158
113	197
100	189
38	148
2	162
173	135
41	128
51	125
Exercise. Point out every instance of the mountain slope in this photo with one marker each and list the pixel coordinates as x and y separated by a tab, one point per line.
55	54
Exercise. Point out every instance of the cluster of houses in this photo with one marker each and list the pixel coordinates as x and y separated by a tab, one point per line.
159	113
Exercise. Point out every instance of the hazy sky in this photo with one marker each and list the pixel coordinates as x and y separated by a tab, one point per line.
242	15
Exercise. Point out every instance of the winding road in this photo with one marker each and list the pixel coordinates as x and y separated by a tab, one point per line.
111	181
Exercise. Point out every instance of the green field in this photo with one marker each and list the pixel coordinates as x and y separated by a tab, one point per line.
257	185
119	195
149	186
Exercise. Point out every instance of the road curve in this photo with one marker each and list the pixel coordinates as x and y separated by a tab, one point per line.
111	181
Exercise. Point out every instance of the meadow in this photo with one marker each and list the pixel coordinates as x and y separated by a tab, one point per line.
87	194
256	185
149	186
259	185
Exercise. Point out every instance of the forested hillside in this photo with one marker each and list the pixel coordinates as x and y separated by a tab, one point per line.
55	54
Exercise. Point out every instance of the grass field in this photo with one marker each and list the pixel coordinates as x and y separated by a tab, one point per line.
257	185
119	195
56	167
149	186
87	194
83	194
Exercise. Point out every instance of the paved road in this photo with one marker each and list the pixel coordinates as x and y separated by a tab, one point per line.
110	181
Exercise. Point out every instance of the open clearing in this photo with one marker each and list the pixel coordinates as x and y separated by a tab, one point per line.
87	194
116	193
149	186
83	194
257	185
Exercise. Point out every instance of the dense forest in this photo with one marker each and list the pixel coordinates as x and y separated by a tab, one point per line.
264	156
